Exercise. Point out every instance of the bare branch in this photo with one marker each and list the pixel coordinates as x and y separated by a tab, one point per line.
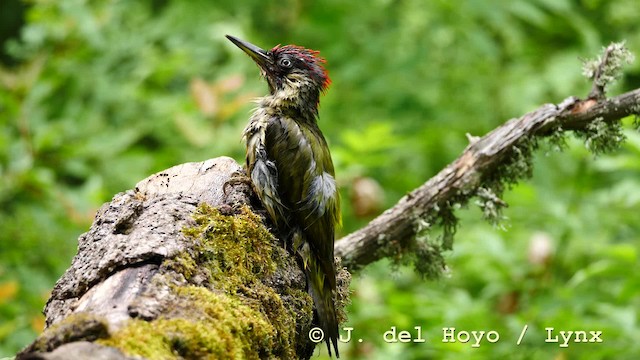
396	227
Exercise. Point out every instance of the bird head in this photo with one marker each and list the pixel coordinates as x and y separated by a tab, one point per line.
291	71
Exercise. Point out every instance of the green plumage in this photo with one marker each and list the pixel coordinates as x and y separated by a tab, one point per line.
291	169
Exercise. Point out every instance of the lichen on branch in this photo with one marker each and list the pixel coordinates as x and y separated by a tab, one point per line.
606	68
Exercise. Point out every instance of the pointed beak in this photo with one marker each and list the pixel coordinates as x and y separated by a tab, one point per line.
258	55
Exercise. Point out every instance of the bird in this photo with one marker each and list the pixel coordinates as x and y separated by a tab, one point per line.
290	166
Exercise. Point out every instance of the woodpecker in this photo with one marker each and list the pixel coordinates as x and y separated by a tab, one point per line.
291	170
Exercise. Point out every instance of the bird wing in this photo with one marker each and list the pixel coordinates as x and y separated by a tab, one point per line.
308	189
307	185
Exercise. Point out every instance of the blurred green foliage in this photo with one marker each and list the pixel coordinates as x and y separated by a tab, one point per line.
95	96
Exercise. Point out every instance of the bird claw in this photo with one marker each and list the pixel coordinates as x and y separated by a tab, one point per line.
236	178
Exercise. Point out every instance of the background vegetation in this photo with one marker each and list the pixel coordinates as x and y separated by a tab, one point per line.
95	96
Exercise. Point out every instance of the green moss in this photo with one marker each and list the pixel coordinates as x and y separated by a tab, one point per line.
225	328
223	309
183	263
300	299
343	293
75	327
236	250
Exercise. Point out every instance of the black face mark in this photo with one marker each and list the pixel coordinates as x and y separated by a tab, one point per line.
282	65
283	61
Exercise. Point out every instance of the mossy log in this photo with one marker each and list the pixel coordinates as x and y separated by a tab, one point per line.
180	267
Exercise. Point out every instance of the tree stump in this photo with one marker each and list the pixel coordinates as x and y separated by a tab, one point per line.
181	267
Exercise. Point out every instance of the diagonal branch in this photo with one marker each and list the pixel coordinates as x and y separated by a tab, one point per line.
395	228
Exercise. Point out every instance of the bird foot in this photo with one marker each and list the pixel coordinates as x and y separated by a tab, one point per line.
236	178
237	192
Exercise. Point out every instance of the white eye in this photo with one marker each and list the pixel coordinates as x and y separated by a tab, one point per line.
285	63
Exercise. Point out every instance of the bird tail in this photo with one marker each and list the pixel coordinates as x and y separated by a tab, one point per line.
321	291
